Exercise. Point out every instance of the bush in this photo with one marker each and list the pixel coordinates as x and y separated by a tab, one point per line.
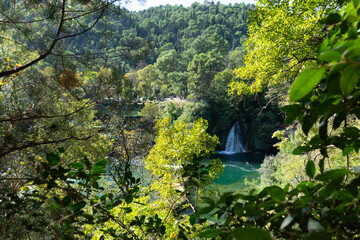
150	112
194	110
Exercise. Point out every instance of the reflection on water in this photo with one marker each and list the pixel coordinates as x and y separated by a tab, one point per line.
239	166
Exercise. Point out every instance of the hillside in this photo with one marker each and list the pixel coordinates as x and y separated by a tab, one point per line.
113	123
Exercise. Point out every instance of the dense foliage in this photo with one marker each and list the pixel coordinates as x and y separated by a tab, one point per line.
167	28
283	40
180	52
84	154
325	206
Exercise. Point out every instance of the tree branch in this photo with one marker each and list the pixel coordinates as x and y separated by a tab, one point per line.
45	142
58	37
44	55
20	118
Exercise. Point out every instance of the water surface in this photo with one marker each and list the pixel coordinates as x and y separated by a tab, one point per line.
238	167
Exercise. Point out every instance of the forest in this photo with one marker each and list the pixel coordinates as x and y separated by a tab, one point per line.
114	124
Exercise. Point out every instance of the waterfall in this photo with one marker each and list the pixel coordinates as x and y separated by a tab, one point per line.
234	142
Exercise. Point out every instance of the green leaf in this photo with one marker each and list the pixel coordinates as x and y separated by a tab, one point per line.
356	3
323	130
344	27
128	199
341	2
192	219
204	210
275	216
293	111
340	117
252	211
65	201
310	169
52	158
229	200
349	79
210	233
330	56
239	209
128	175
286	188
301	150
209	201
87	163
101	163
97	171
315	141
99	167
305	83
78	206
251	233
162	229
352	33
333	18
346	150
77	165
308	122
332	175
352	132
224	197
276	193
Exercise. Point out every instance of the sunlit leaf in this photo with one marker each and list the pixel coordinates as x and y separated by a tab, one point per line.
310	169
349	79
332	174
330	56
305	83
210	233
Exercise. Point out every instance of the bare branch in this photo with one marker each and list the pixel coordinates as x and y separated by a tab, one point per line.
44	142
267	104
44	55
85	30
20	118
57	37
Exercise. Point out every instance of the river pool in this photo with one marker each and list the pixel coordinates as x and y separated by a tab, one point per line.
238	167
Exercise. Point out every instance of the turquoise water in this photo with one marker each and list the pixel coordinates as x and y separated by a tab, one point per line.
238	167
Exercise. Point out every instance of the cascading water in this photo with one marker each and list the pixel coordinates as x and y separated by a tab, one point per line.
238	163
234	142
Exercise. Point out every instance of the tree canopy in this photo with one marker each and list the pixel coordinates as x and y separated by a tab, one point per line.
283	41
84	82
